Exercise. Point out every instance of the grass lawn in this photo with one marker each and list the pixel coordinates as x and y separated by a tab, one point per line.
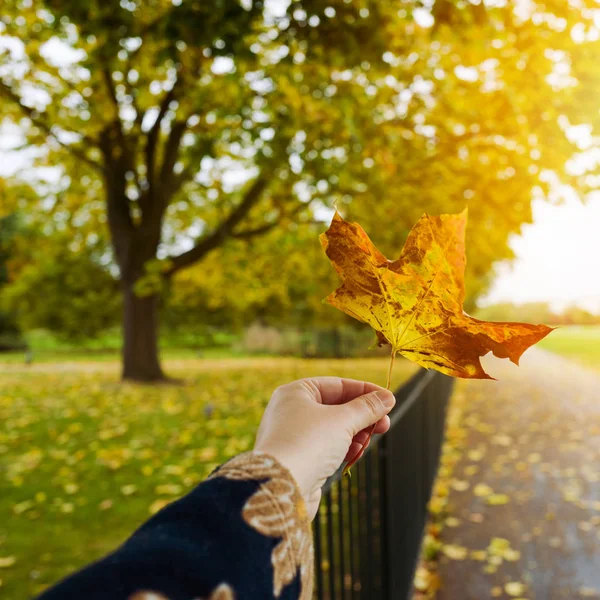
580	343
91	355
85	459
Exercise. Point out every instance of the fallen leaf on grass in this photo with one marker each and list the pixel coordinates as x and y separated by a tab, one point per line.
22	507
7	561
128	490
105	504
158	505
169	489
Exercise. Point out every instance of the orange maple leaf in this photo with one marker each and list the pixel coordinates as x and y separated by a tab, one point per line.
415	303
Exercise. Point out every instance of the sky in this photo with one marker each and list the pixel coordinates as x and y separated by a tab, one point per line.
557	258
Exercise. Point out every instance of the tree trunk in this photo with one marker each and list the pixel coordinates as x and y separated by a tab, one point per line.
140	332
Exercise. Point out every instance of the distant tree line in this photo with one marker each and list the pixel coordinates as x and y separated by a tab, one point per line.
10	334
538	312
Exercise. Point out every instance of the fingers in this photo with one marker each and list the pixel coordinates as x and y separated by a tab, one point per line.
382	426
337	390
358	441
366	410
353	450
361	437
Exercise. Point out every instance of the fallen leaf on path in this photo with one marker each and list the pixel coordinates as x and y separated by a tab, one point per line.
514	588
459	486
482	489
497	499
455	552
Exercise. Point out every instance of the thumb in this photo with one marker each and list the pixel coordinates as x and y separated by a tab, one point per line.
366	410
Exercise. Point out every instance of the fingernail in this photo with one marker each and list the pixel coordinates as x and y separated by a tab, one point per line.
387	398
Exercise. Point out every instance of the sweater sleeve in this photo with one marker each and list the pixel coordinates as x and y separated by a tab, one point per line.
243	534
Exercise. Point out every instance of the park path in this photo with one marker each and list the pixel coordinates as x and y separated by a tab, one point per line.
525	495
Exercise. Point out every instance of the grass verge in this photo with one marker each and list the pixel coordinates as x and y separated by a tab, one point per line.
85	459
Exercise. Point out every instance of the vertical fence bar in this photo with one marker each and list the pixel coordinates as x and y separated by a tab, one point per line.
330	553
377	521
357	549
368	517
363	519
351	538
342	548
318	556
384	550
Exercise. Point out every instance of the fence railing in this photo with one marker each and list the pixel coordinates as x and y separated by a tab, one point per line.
369	527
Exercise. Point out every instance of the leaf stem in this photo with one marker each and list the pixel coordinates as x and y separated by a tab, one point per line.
389	377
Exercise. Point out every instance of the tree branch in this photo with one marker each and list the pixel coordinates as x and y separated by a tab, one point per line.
176	181
171	181
225	229
112	94
32	115
247	234
153	134
172	150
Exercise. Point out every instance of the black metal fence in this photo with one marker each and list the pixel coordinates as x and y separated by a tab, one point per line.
369	527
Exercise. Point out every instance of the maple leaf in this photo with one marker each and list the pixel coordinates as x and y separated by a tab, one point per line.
415	303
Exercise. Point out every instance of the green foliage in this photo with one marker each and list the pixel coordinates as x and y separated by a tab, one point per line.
65	291
163	110
279	279
531	312
83	461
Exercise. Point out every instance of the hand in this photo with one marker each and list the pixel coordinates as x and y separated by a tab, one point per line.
313	425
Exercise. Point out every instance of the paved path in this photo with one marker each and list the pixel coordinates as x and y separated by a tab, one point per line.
525	499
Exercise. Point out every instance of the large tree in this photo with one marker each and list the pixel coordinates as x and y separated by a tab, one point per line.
184	124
